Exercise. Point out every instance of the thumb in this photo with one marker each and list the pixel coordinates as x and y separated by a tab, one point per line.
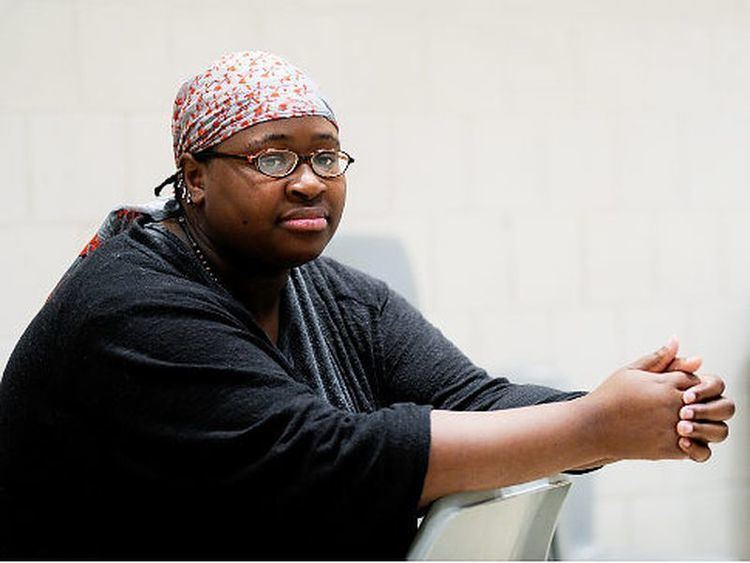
658	361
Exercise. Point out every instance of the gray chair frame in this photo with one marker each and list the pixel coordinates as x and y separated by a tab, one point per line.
510	523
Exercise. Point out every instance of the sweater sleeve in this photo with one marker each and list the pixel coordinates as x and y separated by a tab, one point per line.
187	399
423	366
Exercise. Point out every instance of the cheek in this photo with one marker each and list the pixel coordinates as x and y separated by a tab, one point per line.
338	200
250	217
235	201
234	220
241	207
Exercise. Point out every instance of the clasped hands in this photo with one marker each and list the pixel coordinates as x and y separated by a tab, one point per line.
705	410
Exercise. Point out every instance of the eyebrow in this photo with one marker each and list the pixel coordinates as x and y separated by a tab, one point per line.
325	137
268	137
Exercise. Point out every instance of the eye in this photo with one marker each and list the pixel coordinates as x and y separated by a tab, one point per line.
276	163
327	160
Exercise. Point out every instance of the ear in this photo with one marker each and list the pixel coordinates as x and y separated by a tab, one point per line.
195	174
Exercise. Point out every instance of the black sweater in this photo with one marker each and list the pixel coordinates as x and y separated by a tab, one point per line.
144	414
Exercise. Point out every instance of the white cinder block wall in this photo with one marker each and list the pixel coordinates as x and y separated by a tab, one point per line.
571	179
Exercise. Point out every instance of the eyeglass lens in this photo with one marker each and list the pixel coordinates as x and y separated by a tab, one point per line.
279	163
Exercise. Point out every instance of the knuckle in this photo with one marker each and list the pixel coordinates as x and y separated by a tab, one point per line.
692	378
713	382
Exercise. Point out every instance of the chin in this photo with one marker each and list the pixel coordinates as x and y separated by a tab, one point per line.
292	252
298	259
305	250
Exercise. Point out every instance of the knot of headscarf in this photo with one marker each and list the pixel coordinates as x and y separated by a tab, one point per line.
238	91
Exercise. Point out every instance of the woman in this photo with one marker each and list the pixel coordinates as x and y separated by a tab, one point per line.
203	385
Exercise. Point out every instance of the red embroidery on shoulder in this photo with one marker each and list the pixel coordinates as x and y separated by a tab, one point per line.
92	245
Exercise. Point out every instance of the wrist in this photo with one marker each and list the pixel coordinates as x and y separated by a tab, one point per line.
591	427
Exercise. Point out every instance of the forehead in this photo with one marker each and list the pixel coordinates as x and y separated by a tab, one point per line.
294	131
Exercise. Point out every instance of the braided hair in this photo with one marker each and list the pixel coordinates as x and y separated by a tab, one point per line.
178	185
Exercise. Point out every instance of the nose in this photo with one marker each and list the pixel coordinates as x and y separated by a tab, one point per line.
305	185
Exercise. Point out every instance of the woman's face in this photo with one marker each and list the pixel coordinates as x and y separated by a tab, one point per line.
260	222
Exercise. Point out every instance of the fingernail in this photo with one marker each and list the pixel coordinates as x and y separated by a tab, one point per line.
688	397
685	443
672	340
684	427
687	413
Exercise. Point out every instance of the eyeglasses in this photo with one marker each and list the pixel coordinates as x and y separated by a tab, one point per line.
279	163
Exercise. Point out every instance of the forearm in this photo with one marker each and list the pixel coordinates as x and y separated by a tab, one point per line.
481	450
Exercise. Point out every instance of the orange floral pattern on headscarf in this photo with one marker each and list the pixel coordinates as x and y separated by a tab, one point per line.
238	91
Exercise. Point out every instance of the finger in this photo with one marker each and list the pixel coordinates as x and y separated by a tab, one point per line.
709	387
704	431
715	410
689	365
682	380
695	450
659	360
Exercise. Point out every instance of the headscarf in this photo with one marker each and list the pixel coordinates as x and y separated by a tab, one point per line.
238	91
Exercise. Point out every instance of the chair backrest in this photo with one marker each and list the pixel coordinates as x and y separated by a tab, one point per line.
381	256
510	523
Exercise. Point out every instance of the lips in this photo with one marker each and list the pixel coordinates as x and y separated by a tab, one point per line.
305	219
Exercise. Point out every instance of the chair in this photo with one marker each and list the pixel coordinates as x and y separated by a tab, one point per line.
381	256
510	523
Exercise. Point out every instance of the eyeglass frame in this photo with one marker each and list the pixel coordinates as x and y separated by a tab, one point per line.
252	158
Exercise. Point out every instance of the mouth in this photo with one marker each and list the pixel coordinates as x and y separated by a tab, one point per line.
305	219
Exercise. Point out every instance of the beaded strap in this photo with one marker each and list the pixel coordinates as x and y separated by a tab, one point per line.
198	252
